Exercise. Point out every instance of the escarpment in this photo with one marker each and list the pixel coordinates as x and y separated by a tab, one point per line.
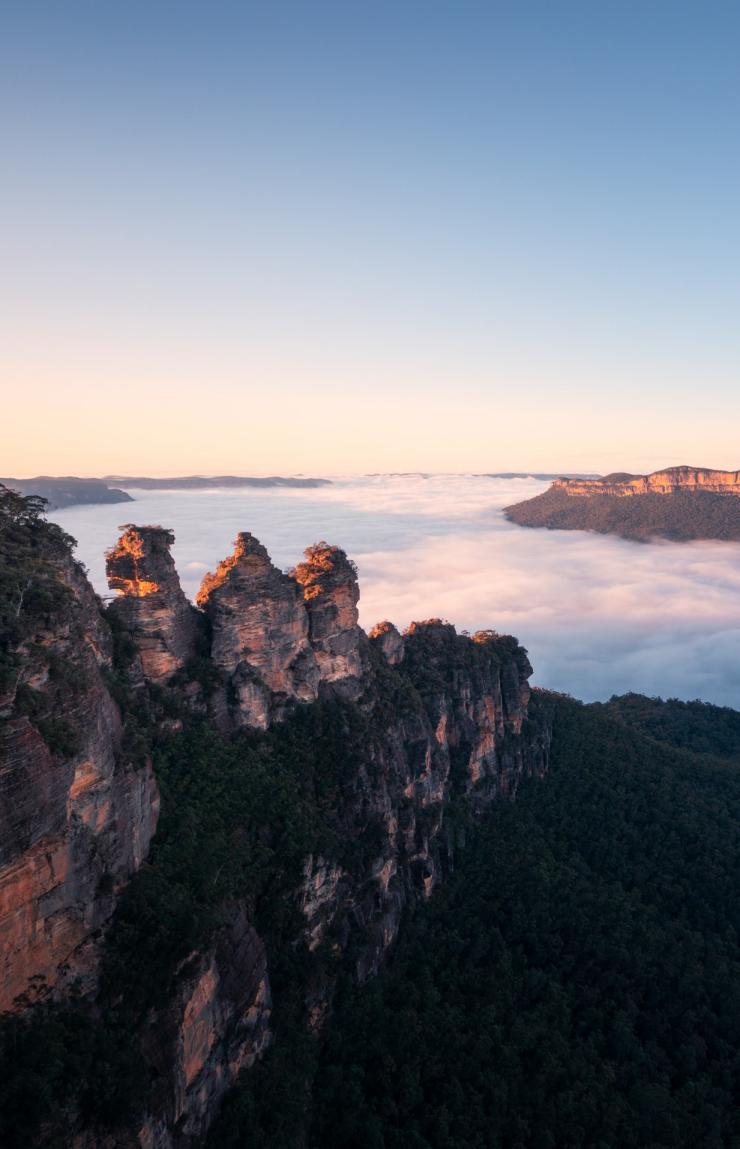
666	482
680	503
316	780
77	813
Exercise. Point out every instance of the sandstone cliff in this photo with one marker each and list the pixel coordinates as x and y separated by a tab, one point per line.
666	482
152	605
680	503
76	817
260	634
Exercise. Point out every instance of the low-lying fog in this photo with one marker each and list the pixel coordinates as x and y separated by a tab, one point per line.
598	615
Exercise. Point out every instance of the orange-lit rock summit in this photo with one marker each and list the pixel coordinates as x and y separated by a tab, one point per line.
151	602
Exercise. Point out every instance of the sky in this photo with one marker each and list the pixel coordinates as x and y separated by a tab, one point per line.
329	237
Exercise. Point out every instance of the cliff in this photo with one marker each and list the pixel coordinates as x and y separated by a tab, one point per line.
77	815
151	605
679	503
668	482
316	782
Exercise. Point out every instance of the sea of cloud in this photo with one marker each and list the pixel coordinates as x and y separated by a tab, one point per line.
599	615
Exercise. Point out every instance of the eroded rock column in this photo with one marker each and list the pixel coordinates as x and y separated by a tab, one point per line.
151	602
260	634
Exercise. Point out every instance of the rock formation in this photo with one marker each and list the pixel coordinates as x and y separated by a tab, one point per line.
152	605
260	634
666	482
679	503
331	594
392	743
387	637
76	818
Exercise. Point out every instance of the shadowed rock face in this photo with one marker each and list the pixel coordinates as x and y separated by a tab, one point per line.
388	638
259	633
331	593
78	819
152	604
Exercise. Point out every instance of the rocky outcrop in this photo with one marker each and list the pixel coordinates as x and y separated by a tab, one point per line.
260	635
278	637
461	734
680	503
216	1025
151	603
77	818
386	636
666	482
331	593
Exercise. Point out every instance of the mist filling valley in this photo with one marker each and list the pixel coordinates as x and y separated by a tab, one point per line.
599	615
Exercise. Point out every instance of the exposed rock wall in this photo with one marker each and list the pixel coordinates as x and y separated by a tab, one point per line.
666	482
260	634
331	594
76	819
152	604
215	1025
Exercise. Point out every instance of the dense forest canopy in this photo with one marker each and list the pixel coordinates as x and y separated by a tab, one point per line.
577	983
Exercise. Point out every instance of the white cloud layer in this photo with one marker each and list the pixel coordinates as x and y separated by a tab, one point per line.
599	615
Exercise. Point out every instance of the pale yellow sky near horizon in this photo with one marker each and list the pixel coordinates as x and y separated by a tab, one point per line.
65	422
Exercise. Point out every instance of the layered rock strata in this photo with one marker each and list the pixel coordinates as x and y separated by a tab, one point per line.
151	603
331	593
259	628
76	818
667	482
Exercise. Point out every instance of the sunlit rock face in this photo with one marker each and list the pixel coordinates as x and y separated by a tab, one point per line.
151	602
216	1024
78	818
260	634
667	482
389	640
329	583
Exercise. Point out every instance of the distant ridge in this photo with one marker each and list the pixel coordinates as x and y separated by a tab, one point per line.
679	503
69	491
211	482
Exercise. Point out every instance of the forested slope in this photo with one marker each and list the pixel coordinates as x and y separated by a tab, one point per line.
578	982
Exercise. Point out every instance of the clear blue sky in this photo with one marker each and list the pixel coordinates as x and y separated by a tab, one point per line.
319	237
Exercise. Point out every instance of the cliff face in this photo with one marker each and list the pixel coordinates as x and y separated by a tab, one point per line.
330	591
260	635
277	637
680	503
78	818
215	1025
447	721
152	605
391	733
667	482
